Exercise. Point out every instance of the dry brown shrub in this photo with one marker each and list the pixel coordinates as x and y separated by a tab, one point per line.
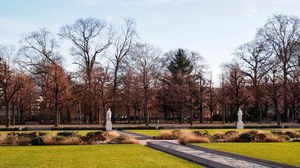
275	138
127	140
112	134
51	139
166	134
70	141
176	133
22	140
2	139
189	137
218	136
232	137
260	137
12	139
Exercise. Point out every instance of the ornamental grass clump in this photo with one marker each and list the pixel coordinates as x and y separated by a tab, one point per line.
275	138
124	140
218	137
51	139
167	134
231	136
2	139
190	137
17	139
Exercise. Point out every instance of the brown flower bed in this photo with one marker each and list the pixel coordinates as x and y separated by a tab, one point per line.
65	138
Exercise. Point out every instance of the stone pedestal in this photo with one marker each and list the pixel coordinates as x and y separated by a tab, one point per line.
240	123
108	126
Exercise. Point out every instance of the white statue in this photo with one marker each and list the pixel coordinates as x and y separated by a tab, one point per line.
108	120
240	123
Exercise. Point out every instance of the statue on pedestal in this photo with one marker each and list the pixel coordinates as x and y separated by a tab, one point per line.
240	123
108	125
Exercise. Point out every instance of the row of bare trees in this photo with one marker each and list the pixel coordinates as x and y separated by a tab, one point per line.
264	77
140	83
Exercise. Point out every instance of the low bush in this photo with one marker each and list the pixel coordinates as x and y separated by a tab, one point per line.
292	134
37	141
218	137
246	137
260	137
67	134
94	138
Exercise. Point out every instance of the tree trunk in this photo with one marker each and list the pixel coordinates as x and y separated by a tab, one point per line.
201	117
134	119
277	114
128	114
7	110
56	116
140	116
192	117
13	115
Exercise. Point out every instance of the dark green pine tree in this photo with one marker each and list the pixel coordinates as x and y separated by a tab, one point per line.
180	67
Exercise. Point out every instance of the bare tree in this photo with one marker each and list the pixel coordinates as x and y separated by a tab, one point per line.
145	60
255	60
211	99
236	87
282	34
10	81
40	57
222	97
122	44
90	37
273	89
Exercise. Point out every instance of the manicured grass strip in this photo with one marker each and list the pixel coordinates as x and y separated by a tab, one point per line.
157	132
283	152
110	156
152	133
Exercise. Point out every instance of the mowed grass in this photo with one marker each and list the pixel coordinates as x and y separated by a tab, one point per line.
152	133
283	152
111	156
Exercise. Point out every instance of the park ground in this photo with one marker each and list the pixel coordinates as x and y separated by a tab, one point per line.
137	155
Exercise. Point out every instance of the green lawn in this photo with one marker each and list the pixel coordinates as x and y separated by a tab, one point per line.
284	152
119	156
152	133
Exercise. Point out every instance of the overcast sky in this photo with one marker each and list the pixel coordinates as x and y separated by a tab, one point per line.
214	28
